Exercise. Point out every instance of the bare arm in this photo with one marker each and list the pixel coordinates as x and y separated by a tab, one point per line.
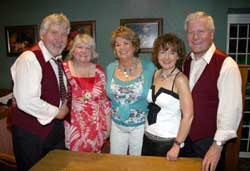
186	105
108	125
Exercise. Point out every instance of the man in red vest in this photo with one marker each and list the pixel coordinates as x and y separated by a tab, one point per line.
39	108
215	82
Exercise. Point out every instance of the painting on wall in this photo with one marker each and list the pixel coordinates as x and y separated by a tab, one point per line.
147	29
20	38
86	27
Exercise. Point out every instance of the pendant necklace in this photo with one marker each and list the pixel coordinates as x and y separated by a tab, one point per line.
86	93
127	71
165	76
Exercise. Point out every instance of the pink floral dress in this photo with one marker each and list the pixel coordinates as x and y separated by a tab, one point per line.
90	106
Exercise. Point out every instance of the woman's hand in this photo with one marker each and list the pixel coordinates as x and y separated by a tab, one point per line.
173	153
105	134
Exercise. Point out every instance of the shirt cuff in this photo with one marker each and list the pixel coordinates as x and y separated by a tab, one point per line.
53	113
225	135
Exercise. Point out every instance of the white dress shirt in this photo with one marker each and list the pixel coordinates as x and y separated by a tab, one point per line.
27	75
229	91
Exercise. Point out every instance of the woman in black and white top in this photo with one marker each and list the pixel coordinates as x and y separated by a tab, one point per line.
170	101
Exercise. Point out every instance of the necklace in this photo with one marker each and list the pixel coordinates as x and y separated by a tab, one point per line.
127	71
86	93
164	76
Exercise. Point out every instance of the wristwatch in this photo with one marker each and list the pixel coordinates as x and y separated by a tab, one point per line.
219	143
181	144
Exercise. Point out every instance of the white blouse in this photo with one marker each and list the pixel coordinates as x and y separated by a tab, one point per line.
168	118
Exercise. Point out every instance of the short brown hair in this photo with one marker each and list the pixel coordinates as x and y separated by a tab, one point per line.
167	41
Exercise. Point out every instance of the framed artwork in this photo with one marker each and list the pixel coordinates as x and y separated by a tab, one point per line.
147	29
20	38
88	27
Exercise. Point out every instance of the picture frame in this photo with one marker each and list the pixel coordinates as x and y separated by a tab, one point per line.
88	27
20	38
147	29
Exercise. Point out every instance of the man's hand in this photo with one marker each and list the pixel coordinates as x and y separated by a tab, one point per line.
211	158
63	111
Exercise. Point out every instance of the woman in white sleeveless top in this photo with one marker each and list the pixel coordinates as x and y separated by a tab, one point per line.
170	101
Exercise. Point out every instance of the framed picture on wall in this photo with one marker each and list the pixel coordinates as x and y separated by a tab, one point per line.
20	38
88	27
147	29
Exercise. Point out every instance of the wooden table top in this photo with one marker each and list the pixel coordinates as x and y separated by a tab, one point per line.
60	160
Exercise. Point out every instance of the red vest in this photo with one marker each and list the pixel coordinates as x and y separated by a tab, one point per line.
205	97
49	93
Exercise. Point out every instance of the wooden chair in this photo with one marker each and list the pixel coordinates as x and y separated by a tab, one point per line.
7	159
233	146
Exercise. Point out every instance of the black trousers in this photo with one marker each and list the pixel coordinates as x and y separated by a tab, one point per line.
199	149
30	148
155	148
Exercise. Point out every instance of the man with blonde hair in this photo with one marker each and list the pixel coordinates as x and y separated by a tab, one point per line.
40	94
215	83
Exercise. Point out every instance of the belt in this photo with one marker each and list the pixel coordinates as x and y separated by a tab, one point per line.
157	138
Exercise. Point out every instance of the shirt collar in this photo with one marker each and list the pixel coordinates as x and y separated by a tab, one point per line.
208	55
47	55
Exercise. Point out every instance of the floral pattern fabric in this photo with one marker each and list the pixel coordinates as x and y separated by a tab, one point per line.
127	95
90	105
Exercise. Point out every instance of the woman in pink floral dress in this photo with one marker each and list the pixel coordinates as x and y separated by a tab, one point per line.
89	123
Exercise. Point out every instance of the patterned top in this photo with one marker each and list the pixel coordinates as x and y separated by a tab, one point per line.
90	106
125	95
128	99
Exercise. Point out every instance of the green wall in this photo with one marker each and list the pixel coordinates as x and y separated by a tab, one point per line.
107	14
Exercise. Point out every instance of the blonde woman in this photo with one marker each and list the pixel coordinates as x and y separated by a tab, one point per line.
89	123
128	81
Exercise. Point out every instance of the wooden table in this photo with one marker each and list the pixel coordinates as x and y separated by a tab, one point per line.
59	160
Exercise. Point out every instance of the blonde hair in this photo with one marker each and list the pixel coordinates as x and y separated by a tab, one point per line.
128	34
87	40
200	15
56	18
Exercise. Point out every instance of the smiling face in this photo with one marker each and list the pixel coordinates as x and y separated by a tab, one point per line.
55	38
124	48
167	59
199	37
82	53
